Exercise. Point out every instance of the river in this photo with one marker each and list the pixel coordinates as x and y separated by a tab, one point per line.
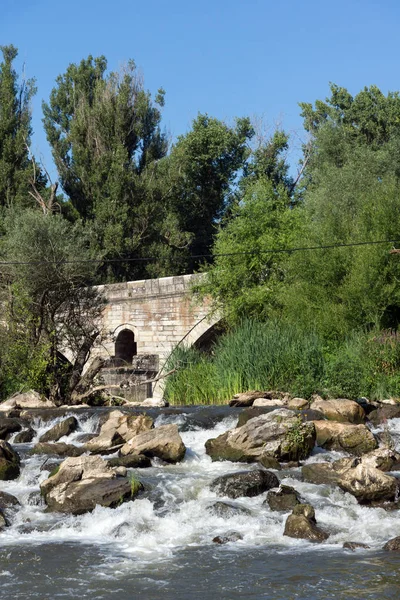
160	545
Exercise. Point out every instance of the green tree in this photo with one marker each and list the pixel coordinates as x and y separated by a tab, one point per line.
46	303
15	132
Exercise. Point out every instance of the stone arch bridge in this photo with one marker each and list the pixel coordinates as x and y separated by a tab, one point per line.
143	321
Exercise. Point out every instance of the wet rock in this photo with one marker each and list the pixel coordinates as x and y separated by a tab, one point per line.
355	439
57	449
118	429
25	400
384	413
393	545
284	499
244	483
353	546
227	510
25	436
8	427
297	404
82	483
59	430
8	501
9	462
230	536
269	462
130	461
163	442
3	520
369	484
340	410
384	459
279	434
327	473
50	465
83	438
35	499
302	524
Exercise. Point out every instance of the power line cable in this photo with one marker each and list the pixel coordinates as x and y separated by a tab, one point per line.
197	256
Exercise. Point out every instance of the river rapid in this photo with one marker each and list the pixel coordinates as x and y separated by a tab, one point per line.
160	546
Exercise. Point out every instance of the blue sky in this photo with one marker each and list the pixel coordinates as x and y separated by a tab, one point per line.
227	58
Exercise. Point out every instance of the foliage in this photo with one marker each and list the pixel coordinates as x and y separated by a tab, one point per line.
48	304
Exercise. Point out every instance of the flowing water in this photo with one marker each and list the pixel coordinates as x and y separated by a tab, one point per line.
160	545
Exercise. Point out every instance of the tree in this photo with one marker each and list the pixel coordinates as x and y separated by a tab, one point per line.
15	132
105	135
48	304
246	275
205	164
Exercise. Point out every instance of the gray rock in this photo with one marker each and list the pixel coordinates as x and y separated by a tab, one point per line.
59	430
25	436
8	427
227	510
131	461
118	429
393	545
353	546
84	482
368	484
383	413
230	536
8	501
302	524
57	449
341	410
9	462
355	439
163	442
244	483
284	499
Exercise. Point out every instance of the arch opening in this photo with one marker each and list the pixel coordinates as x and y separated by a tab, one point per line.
125	346
206	342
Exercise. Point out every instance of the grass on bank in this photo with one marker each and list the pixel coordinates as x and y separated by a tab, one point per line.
284	357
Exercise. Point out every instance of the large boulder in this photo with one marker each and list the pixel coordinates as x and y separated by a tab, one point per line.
384	413
9	462
327	473
284	499
341	410
302	524
8	427
247	398
368	484
82	483
384	459
393	545
279	434
8	501
162	442
24	400
131	461
244	483
65	427
355	439
25	436
227	510
118	429
57	449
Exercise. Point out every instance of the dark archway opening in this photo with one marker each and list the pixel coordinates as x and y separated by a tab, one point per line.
125	346
206	342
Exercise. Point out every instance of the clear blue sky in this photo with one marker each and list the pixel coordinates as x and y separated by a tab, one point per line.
226	58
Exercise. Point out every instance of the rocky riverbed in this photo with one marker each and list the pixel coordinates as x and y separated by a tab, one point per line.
197	502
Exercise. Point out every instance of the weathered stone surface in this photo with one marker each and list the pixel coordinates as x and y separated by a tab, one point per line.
341	410
383	459
131	461
283	499
269	462
278	434
119	429
24	400
393	545
163	442
9	462
154	403
384	413
301	524
8	501
83	482
4	522
227	510
355	439
327	473
244	483
267	402
369	484
8	427
65	427
248	398
25	436
297	404
57	449
353	546
230	536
